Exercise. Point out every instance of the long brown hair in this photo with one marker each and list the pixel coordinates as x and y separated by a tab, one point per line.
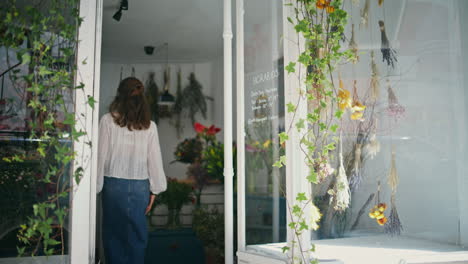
129	108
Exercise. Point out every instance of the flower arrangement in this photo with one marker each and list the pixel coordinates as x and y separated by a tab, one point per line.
188	150
205	156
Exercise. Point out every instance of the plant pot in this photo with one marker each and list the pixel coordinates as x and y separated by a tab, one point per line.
211	256
173	218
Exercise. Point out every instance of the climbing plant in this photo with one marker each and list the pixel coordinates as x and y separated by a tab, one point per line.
39	40
320	26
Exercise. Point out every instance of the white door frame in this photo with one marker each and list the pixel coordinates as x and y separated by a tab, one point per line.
83	216
83	213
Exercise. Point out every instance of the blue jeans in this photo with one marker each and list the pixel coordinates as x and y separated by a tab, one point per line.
124	230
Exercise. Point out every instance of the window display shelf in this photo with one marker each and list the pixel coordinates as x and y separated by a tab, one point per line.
373	249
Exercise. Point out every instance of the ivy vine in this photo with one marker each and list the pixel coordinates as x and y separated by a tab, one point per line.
320	26
40	38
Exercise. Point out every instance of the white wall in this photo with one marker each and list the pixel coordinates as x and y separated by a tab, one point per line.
207	73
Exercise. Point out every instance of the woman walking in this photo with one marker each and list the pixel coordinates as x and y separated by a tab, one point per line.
129	169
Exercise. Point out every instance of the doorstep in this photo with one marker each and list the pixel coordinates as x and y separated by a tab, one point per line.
65	259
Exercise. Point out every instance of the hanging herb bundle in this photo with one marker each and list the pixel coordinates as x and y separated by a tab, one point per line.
375	76
193	99
165	105
340	195
373	146
353	46
152	96
356	177
393	226
394	108
365	14
178	105
388	54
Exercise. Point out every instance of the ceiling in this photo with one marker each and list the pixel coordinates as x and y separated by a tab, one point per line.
192	28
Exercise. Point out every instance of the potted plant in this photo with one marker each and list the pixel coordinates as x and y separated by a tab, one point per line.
208	226
176	195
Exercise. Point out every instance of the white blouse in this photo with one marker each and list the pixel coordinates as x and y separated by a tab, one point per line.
126	154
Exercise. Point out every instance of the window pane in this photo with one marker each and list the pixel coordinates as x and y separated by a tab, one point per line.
43	76
264	117
409	152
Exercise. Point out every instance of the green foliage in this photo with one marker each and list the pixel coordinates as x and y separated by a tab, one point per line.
213	160
321	24
209	228
42	37
176	195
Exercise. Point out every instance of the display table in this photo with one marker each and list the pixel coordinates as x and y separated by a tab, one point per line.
380	249
174	247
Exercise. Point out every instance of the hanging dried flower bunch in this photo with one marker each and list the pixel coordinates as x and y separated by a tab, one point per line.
365	14
152	96
178	105
373	146
356	176
394	108
340	195
353	46
193	99
344	96
388	54
380	2
357	108
378	211
375	76
325	4
393	226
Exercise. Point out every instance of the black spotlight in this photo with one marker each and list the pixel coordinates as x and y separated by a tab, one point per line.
149	50
117	15
124	5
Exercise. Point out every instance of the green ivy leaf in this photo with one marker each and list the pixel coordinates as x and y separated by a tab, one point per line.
301	197
78	174
300	124
283	137
291	67
291	107
25	59
333	128
296	210
339	114
69	119
312	178
285	249
91	101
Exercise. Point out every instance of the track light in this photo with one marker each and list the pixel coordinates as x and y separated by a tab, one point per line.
124	5
118	15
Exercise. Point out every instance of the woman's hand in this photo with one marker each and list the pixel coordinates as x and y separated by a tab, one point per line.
150	204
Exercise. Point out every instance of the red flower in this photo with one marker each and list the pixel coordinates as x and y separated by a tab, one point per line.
213	130
199	128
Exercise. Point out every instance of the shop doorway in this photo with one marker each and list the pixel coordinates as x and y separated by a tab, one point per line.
176	49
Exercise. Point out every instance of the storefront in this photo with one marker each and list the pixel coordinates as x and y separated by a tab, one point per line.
405	156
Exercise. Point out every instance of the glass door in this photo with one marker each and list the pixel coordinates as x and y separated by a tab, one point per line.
260	79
